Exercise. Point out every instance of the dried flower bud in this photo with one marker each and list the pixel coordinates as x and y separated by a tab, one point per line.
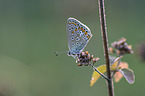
79	64
95	59
84	58
92	57
121	47
87	52
83	54
88	56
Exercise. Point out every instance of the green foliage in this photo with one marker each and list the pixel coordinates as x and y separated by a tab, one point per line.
128	74
120	68
96	75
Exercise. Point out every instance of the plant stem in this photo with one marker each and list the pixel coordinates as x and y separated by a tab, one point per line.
99	72
105	44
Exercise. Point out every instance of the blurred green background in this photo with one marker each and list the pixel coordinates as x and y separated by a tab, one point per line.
32	30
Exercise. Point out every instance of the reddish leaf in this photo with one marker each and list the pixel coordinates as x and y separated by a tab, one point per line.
118	75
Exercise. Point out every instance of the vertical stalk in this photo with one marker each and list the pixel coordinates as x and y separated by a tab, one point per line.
105	44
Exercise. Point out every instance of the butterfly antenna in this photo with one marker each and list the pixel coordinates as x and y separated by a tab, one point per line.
60	52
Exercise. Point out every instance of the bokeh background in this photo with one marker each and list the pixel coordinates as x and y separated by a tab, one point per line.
32	30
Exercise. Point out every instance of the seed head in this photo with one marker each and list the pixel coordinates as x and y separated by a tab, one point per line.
84	59
121	47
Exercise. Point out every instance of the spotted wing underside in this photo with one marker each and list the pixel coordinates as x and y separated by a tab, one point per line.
78	35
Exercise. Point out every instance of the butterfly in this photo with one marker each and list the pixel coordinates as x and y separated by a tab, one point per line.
78	36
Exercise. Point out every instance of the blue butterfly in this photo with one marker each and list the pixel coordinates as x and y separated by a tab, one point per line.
78	36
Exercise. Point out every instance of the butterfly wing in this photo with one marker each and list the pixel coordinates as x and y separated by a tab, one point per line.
78	35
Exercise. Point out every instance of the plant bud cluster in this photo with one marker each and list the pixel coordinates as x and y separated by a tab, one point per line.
121	47
84	59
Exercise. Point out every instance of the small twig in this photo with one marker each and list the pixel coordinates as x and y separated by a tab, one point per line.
99	72
105	43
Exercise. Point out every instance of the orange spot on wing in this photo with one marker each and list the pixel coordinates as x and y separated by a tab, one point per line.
72	22
72	31
83	30
79	28
75	24
85	33
76	29
69	23
88	36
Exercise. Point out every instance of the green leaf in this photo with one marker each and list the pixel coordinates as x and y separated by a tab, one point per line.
115	62
113	66
128	74
96	75
111	59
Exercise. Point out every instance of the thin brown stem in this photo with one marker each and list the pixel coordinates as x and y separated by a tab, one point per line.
105	44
